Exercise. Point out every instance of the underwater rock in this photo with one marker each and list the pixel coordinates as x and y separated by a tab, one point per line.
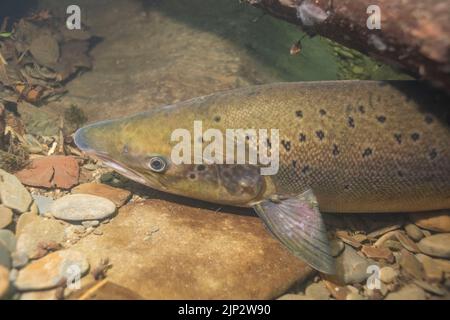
4	281
351	268
414	232
436	245
378	253
36	232
105	290
13	194
43	203
439	222
8	239
410	265
408	292
19	260
355	296
193	253
388	274
406	242
48	272
5	256
336	247
39	295
53	171
80	207
116	195
433	272
317	291
6	216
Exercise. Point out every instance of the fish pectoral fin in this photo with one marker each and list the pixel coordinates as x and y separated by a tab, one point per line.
297	223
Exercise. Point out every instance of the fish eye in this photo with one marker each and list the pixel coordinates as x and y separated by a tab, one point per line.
157	164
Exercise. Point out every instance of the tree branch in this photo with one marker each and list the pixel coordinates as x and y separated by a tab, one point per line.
414	35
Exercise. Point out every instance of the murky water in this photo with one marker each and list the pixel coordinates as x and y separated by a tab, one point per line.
160	52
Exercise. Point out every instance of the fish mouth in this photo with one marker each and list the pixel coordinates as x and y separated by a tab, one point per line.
82	143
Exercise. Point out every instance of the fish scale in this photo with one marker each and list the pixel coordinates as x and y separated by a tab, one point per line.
371	171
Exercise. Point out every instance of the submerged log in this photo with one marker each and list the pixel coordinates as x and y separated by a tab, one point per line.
413	35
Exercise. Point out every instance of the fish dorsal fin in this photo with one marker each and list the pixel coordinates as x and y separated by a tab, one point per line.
297	223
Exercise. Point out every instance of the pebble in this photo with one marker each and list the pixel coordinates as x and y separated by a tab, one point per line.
19	260
439	221
13	194
408	292
337	291
414	232
407	243
116	195
43	203
436	245
90	223
52	171
336	247
443	264
317	291
5	257
430	287
39	230
79	207
90	166
431	268
388	274
4	281
410	265
46	273
39	295
24	220
346	238
8	239
351	268
378	253
98	232
6	217
393	245
355	296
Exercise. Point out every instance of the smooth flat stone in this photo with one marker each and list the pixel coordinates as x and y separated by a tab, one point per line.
46	273
164	250
13	194
39	230
116	195
434	221
4	281
6	216
79	207
43	203
437	245
8	239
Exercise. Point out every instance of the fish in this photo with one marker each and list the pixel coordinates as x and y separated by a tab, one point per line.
343	147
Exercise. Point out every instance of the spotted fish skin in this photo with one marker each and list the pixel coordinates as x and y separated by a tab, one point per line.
361	146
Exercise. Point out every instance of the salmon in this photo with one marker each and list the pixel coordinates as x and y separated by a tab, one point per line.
341	146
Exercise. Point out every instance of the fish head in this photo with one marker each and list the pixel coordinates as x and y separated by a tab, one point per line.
140	148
